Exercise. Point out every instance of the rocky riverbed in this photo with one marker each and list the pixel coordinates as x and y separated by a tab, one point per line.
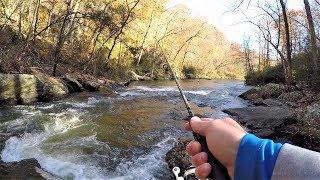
275	111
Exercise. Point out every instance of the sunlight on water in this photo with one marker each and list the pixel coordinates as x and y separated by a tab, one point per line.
124	137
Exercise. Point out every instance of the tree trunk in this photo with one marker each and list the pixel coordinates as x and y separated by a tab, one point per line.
144	39
60	40
31	18
35	21
288	60
21	9
314	47
121	29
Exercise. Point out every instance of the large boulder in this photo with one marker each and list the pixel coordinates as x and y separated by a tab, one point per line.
90	85
273	103
265	92
272	90
24	169
291	96
246	95
27	89
263	119
72	84
312	114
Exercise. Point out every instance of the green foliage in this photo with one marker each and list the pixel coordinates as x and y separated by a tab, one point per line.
301	66
273	74
189	72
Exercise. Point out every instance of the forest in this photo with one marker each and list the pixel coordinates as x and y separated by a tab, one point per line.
111	38
85	90
288	50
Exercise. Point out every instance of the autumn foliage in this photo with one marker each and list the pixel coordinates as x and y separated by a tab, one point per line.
112	37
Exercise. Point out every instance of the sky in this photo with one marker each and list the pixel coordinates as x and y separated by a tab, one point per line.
215	11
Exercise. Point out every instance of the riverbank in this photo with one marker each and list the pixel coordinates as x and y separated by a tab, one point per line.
35	87
284	114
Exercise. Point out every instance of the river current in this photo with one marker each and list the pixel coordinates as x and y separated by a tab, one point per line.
126	136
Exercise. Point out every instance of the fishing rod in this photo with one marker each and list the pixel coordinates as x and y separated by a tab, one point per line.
218	172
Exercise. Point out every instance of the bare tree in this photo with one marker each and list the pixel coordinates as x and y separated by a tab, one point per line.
288	64
313	38
61	38
144	38
123	25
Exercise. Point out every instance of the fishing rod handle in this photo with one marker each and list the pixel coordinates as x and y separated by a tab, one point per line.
218	172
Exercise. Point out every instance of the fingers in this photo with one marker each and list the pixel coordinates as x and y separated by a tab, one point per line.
193	148
199	159
187	126
199	126
203	171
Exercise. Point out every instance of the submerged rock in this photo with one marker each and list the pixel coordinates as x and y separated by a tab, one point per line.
24	169
178	157
27	89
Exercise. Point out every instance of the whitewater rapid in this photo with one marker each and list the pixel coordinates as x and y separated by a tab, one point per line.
64	136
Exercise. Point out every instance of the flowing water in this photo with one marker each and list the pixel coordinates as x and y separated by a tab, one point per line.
90	136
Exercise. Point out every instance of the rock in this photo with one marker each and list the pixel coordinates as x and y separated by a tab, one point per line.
273	103
291	96
272	90
135	77
178	157
3	138
248	93
89	86
73	84
263	133
27	89
312	114
106	90
262	117
24	169
258	102
125	84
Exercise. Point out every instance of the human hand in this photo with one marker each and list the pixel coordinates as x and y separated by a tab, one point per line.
223	138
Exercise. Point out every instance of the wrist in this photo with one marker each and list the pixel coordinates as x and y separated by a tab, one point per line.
256	158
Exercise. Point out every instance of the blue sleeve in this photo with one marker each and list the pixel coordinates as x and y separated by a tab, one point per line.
256	158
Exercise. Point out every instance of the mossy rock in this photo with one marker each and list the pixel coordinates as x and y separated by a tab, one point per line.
27	89
291	96
272	90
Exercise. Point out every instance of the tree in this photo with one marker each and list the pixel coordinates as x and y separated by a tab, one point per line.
288	63
313	38
123	25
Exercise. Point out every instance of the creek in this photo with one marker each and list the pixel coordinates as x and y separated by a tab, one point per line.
126	136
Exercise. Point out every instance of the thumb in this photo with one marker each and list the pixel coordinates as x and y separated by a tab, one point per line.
198	126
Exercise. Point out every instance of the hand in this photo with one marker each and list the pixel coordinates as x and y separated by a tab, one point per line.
223	138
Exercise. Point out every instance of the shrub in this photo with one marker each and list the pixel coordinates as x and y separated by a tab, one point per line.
273	74
253	78
189	72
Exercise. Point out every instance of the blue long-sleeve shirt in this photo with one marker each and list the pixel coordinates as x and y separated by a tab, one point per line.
256	158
